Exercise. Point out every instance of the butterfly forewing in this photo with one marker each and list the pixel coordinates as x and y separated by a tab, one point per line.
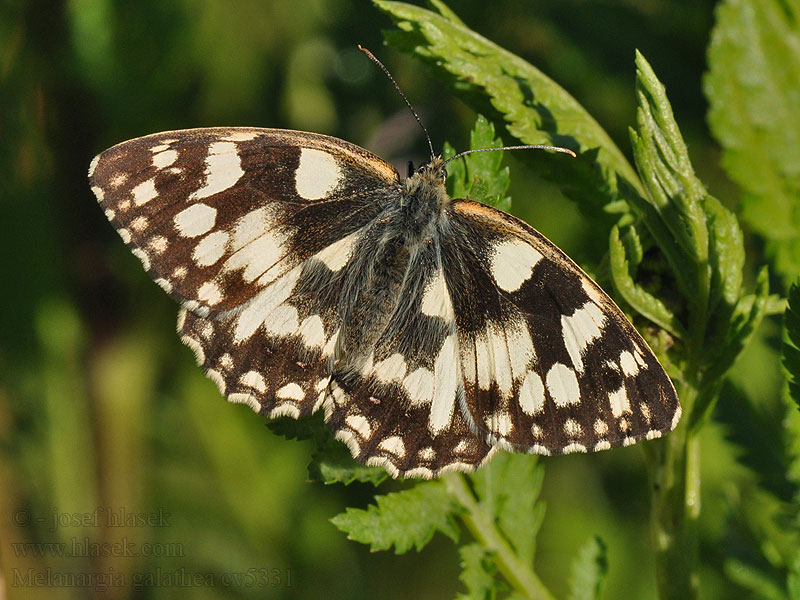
216	214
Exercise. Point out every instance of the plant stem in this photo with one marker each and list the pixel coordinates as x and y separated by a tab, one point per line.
675	481
482	526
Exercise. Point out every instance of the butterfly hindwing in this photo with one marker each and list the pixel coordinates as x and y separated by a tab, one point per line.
550	364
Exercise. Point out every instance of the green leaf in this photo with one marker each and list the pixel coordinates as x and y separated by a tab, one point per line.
726	259
402	520
791	342
479	176
331	461
508	488
674	211
638	298
589	570
477	573
751	86
508	90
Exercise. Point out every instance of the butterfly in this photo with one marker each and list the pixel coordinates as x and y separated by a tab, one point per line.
431	331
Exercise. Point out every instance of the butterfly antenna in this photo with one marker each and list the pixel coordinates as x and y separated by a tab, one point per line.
526	147
372	57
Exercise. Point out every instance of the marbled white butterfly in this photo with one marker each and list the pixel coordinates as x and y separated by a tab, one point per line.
430	331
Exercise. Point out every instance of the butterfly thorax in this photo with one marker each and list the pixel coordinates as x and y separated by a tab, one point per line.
424	198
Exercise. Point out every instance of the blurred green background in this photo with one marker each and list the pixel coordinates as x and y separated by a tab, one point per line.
102	406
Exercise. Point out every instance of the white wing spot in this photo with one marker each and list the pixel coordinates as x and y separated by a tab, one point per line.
196	220
393	445
574	447
580	329
290	391
445	382
628	364
619	402
209	293
312	331
226	361
360	425
164	285
93	165
165	158
110	214
142	256
536	431
436	299
98	193
210	249
600	427
247	399
217	378
563	385
531	394
602	445
572	428
179	273
223	169
500	423
337	254
330	345
427	454
512	263
391	369
317	174
158	244
144	192
653	434
419	386
255	380
139	224
240	136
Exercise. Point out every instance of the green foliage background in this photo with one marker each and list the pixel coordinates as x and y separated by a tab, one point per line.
101	406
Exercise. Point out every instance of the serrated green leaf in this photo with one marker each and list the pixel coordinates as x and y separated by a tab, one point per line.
533	108
751	86
508	489
674	210
479	176
402	520
639	299
331	461
589	570
753	580
477	573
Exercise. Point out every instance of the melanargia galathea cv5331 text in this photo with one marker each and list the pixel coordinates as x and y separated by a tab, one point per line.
430	331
